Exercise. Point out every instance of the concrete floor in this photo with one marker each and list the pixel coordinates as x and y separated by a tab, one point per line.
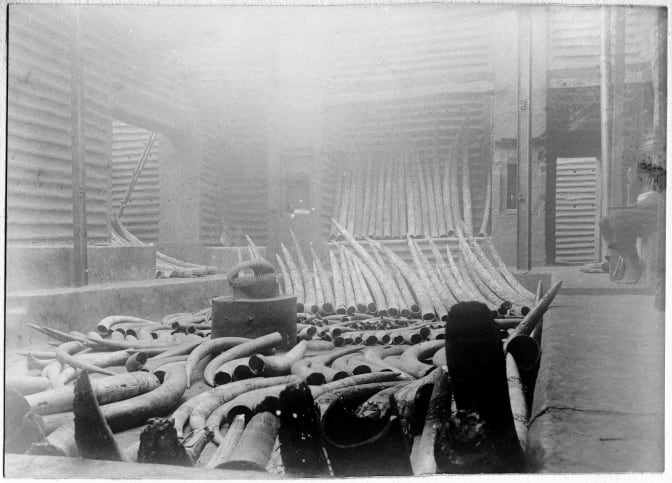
599	398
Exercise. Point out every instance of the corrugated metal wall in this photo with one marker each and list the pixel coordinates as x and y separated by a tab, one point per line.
97	109
436	119
141	215
166	101
574	70
145	81
212	173
189	89
430	46
329	164
573	108
232	84
39	172
245	178
123	80
422	81
574	45
576	215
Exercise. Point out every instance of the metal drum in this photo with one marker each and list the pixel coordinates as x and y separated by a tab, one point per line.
255	308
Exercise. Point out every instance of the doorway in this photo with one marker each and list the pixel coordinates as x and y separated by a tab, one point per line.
576	212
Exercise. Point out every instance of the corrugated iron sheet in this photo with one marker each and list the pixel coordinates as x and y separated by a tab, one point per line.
141	215
452	46
420	80
245	178
576	210
39	140
149	77
97	107
578	109
574	45
212	174
115	68
427	121
327	191
39	144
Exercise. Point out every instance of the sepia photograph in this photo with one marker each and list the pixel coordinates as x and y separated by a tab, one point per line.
321	239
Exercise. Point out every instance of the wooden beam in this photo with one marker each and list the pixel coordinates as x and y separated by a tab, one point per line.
277	218
606	113
524	212
78	158
616	185
659	76
150	113
659	66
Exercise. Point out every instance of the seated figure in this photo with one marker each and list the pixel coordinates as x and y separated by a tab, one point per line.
621	228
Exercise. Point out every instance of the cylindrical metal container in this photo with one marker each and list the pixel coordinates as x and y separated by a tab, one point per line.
246	317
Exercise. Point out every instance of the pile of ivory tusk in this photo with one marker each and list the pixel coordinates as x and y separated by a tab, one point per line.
166	266
386	371
377	281
400	194
118	341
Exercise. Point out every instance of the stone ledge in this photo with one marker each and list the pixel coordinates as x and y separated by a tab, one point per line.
225	258
531	279
81	308
33	267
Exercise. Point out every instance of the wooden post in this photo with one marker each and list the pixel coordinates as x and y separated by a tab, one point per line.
660	128
606	113
524	219
659	75
618	103
277	217
78	159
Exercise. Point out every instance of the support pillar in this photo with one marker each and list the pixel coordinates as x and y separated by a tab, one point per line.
180	196
606	114
616	185
80	242
524	215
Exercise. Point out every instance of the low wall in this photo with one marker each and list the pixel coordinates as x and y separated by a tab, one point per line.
35	267
224	258
81	308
